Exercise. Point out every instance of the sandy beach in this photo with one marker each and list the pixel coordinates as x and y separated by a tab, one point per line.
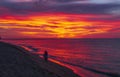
15	61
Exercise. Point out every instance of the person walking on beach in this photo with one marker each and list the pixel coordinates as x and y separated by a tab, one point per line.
45	55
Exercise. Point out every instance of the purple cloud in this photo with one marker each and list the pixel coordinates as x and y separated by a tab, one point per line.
65	6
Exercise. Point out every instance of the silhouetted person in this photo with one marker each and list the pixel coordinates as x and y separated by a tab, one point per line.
45	55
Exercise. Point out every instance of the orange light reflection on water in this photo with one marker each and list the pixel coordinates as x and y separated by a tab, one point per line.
63	64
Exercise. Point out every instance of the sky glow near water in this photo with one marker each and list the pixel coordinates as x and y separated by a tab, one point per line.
60	18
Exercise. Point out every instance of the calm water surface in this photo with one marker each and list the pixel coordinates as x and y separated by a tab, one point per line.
87	57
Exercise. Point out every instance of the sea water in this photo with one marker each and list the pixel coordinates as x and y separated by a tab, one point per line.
86	57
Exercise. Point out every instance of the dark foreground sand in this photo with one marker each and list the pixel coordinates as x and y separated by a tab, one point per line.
17	62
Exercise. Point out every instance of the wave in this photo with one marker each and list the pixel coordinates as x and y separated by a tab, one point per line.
110	74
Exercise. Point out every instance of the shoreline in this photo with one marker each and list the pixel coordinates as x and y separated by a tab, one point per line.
50	67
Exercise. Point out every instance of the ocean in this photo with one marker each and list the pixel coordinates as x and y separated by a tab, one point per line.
86	57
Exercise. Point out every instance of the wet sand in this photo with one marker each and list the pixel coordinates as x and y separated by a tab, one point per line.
15	61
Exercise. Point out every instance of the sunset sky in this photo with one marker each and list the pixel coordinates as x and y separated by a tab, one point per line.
60	18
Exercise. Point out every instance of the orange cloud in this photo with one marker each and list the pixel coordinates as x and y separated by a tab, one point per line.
57	25
29	33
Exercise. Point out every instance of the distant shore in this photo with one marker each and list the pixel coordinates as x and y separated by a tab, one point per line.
15	61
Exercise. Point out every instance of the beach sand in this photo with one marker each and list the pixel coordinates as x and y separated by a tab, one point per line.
15	61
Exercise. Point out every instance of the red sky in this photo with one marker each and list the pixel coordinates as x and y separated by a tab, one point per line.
65	22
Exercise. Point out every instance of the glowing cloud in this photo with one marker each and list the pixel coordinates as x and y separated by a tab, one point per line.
59	18
58	26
